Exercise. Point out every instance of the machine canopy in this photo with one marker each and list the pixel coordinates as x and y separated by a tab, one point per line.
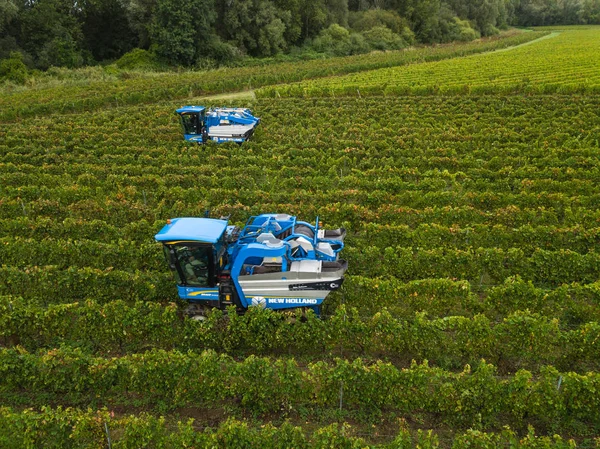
204	230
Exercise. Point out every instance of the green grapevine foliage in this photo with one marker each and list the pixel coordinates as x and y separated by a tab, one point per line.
473	296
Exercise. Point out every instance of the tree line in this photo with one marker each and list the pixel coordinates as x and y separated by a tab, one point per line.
209	33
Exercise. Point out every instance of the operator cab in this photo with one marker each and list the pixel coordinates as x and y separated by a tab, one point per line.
195	250
192	264
193	122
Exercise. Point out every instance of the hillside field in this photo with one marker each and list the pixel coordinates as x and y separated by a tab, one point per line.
467	177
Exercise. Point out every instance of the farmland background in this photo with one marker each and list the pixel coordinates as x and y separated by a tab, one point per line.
470	315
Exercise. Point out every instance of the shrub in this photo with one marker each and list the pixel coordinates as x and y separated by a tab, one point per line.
138	59
382	38
337	40
13	69
462	31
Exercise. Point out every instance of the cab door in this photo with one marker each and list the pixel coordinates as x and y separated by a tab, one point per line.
194	267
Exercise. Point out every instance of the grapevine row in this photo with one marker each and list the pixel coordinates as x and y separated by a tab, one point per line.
486	265
542	267
425	235
51	285
123	213
76	428
262	385
567	63
521	340
473	175
528	130
356	188
573	304
132	206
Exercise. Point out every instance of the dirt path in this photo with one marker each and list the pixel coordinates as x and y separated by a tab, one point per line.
242	95
548	36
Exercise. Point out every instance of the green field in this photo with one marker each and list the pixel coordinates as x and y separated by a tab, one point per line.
83	91
470	315
566	61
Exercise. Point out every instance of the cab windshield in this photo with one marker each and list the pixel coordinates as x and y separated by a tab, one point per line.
191	123
194	264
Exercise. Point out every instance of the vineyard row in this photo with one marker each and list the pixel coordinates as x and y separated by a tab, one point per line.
407	208
573	304
355	187
386	87
76	428
521	340
364	173
563	401
567	63
425	236
485	265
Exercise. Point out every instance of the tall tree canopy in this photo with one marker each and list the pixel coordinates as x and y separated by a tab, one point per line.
204	33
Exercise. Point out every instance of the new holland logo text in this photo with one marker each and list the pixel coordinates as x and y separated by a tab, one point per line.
260	301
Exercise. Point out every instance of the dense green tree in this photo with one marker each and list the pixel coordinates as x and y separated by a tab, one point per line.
172	31
179	27
554	12
426	18
8	11
51	31
337	12
504	14
484	14
207	33
106	30
382	38
293	28
591	11
572	11
339	41
256	26
314	17
382	29
139	16
365	20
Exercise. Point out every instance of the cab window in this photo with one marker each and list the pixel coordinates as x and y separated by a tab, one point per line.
190	123
194	263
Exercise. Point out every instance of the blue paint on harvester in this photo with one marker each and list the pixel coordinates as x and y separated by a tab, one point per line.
217	124
274	261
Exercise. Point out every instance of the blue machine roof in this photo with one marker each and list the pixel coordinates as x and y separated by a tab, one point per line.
190	109
207	230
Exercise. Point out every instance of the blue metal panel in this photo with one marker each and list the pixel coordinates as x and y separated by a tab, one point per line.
198	293
188	109
205	230
194	138
252	250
